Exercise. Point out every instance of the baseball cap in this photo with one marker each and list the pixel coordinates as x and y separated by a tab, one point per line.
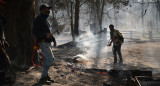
2	2
43	6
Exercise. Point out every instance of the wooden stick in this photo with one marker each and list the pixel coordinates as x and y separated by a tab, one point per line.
8	59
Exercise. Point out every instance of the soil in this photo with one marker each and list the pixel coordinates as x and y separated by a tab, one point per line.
75	67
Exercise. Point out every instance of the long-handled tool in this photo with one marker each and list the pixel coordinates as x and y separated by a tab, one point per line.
59	28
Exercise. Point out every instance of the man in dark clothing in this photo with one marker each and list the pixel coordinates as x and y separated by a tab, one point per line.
116	44
44	37
2	45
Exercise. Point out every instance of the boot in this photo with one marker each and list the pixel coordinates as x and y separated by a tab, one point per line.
49	79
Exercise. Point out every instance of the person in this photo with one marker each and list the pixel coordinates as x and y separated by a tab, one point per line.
44	37
116	44
3	44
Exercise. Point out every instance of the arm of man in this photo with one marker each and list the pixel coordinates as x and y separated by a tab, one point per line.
112	40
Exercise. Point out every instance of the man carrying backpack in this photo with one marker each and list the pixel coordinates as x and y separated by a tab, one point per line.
117	42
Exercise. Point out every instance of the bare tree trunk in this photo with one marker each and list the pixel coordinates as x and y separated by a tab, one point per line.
158	13
72	31
98	12
143	32
76	24
18	32
101	14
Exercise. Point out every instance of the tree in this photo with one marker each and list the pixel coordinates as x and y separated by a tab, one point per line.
76	23
71	17
18	30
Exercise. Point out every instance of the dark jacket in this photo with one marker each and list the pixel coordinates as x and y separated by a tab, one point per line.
41	28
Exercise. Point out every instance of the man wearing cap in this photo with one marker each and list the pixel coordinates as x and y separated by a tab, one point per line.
44	37
2	44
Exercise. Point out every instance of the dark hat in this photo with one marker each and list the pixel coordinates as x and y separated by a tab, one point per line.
2	2
43	6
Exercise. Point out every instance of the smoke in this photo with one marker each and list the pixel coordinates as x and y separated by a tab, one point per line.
90	43
94	47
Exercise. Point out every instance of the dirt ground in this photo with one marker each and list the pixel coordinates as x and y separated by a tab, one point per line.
71	68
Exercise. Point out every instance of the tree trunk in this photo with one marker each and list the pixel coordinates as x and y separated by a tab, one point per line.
76	24
72	31
143	32
101	14
18	32
98	14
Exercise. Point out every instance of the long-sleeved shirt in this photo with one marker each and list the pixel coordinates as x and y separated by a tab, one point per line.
41	28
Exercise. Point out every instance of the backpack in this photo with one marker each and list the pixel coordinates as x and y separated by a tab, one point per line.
120	36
